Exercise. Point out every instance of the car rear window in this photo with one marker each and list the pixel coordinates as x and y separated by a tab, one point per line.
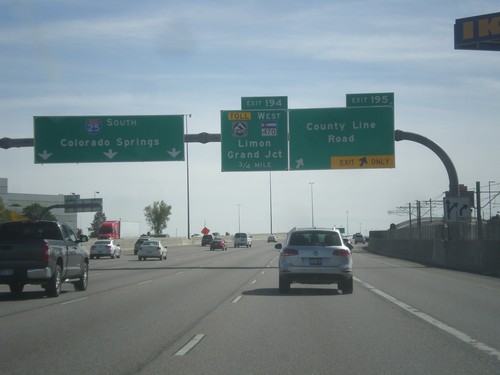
29	231
315	239
102	242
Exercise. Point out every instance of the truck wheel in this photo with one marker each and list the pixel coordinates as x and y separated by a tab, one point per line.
82	283
54	286
16	287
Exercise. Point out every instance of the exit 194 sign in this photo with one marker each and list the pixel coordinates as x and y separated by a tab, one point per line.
254	140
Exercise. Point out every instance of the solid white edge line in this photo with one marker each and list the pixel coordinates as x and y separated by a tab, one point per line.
436	323
190	345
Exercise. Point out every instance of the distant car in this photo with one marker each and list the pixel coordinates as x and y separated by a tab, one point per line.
139	242
347	242
218	243
152	249
242	239
272	238
206	239
315	256
358	237
105	248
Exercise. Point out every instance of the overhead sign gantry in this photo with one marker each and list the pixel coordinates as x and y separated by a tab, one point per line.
360	136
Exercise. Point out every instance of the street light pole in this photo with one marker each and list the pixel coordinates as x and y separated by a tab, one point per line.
239	226
489	195
187	181
270	202
347	226
312	204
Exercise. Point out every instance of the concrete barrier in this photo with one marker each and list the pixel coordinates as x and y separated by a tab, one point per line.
479	256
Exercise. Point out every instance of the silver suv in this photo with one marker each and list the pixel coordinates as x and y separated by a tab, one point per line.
315	256
358	237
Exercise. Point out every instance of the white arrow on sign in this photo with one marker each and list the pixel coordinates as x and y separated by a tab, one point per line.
299	163
173	153
110	154
45	155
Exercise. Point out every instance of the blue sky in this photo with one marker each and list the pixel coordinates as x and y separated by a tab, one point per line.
65	58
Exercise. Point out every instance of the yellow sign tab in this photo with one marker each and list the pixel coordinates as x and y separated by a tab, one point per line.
239	116
356	162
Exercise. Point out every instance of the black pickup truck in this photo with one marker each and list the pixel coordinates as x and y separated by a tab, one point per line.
44	253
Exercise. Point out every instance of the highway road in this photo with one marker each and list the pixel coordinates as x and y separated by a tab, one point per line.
204	312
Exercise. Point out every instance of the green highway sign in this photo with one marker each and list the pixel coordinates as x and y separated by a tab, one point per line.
342	138
84	205
264	102
254	140
370	100
99	139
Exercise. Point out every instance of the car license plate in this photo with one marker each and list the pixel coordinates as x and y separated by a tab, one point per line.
315	261
6	272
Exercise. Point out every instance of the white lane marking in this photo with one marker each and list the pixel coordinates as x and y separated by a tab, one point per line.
253	282
145	282
436	323
75	300
236	300
190	345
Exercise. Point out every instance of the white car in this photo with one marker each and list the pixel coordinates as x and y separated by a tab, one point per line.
272	238
152	249
105	248
315	256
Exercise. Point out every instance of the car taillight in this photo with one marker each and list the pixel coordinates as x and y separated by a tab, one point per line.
45	253
341	252
287	251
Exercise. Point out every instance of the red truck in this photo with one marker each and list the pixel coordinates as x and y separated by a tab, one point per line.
109	230
115	229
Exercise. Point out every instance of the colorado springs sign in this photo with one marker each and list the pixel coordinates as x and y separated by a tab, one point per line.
93	139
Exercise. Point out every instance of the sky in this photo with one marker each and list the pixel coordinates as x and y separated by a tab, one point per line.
198	58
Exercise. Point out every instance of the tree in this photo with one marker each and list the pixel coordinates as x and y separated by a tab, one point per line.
33	211
99	218
8	215
157	216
